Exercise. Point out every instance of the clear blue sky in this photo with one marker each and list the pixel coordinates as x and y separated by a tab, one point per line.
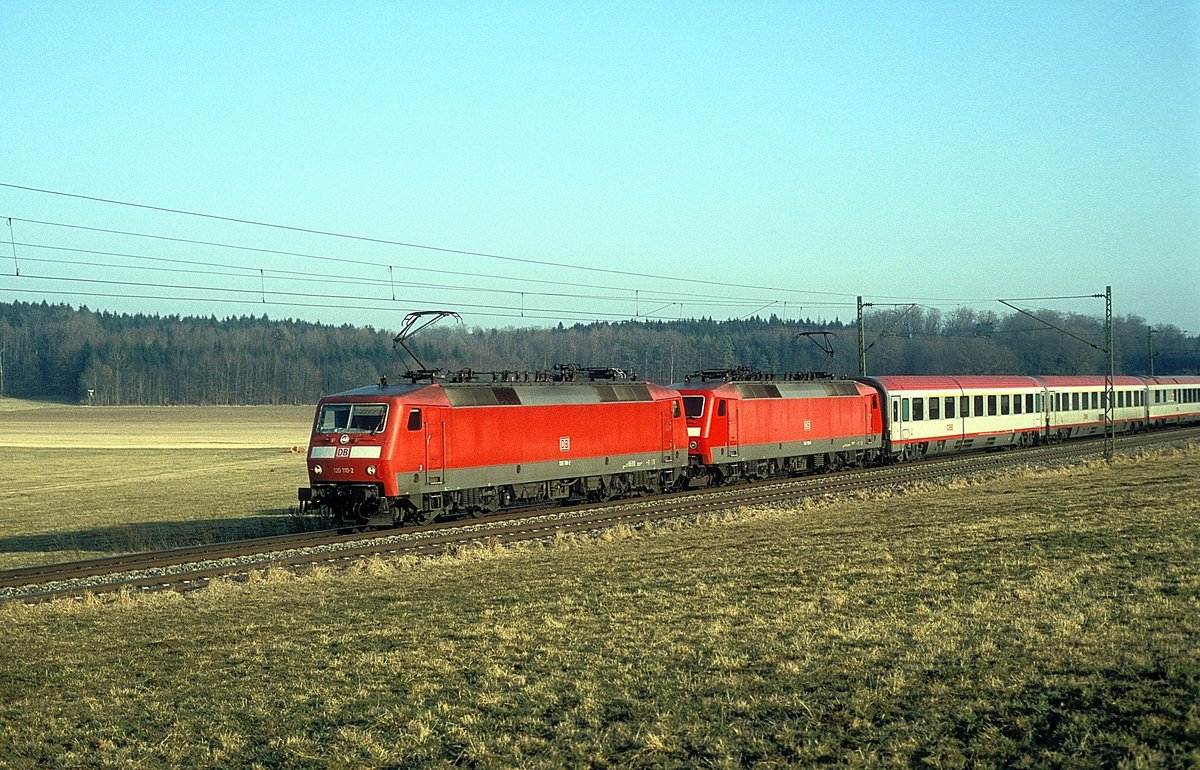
793	154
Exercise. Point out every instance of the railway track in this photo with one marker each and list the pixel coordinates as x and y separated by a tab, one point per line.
184	569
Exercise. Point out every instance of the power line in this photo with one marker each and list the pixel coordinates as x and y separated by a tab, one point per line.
548	314
674	279
326	278
405	244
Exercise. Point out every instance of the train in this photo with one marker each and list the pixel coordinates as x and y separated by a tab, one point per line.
470	444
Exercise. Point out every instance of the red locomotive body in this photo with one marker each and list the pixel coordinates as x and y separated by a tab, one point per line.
391	453
755	428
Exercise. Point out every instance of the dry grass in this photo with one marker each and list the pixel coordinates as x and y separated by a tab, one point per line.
93	481
1046	620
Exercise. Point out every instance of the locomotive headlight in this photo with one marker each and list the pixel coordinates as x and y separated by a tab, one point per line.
316	470
691	445
370	470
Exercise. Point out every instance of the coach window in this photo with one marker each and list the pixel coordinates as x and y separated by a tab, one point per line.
1075	402
991	406
949	407
1037	401
978	411
964	406
1029	403
1017	403
1004	403
905	410
935	412
918	409
414	419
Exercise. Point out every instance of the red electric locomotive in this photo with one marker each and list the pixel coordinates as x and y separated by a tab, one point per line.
394	453
746	426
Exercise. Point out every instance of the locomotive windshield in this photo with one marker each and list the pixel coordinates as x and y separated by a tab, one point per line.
352	418
693	406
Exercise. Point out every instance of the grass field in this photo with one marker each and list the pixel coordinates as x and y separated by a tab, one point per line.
92	481
1050	619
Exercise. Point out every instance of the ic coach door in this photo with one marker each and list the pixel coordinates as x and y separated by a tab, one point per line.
896	424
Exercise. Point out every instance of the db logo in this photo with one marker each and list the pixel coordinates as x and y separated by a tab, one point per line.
564	444
343	451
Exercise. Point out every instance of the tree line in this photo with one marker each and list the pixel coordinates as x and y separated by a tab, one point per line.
63	353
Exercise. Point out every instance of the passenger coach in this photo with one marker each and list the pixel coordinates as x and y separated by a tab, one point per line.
937	415
1172	400
1076	406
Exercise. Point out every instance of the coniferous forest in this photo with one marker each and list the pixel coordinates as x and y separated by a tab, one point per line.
80	355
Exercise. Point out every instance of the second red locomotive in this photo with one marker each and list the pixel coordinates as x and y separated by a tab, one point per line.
743	426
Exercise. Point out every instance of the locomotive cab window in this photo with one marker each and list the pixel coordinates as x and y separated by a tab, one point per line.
675	409
721	408
693	406
352	418
414	419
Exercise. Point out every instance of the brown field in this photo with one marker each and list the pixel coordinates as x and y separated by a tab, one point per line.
92	481
35	425
1045	619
